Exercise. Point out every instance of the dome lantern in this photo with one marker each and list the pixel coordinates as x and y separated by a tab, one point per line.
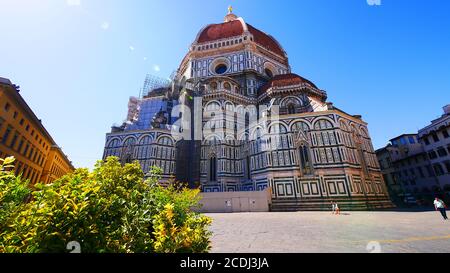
230	16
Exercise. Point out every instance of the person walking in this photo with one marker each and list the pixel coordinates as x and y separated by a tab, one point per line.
333	207
337	209
440	206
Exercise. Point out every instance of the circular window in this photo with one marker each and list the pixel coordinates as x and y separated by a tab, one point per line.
221	69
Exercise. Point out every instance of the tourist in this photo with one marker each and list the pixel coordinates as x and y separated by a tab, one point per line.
333	207
440	205
336	207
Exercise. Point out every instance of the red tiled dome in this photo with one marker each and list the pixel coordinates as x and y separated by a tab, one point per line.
265	40
236	28
285	80
221	31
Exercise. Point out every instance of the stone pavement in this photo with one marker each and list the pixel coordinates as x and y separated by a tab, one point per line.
300	232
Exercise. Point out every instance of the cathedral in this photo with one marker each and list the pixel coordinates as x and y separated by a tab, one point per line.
236	118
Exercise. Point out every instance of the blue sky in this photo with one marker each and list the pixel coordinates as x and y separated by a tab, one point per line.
78	61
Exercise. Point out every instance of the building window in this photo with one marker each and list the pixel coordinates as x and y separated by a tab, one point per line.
442	152
249	172
411	140
291	109
14	140
227	86
7	107
447	166
15	115
213	169
438	169
305	160
427	142
432	155
26	149
435	137
19	148
6	134
18	169
445	133
221	69
403	141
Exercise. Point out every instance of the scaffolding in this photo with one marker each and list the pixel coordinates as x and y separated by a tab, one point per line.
152	83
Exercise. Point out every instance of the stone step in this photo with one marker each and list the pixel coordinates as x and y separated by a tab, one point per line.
320	205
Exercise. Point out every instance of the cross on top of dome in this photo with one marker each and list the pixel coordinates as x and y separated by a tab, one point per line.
230	16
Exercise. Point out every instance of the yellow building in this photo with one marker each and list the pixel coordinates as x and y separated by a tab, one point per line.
23	136
56	166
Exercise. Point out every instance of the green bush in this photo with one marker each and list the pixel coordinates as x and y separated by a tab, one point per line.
13	191
109	210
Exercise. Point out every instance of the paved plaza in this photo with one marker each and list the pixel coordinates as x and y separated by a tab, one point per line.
300	232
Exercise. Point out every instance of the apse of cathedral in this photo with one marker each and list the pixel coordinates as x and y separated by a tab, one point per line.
236	118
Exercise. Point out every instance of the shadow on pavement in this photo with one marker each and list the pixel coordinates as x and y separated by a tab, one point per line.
411	209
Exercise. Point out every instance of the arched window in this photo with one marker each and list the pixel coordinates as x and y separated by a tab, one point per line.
323	124
114	143
213	169
145	140
269	73
229	107
291	108
129	142
213	86
213	106
343	126
300	126
364	132
305	159
227	86
277	129
165	141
